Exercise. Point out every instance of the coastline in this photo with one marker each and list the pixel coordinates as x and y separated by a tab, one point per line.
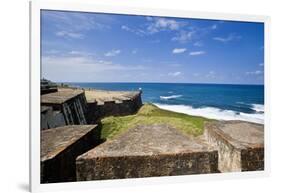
205	111
213	113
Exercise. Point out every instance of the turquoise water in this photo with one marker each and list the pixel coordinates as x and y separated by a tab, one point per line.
218	101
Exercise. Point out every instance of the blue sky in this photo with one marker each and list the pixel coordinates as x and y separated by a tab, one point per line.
88	47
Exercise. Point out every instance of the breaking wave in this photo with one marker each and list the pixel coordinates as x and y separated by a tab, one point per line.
170	97
258	108
214	113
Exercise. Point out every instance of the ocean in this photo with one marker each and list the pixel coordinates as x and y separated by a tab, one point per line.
215	101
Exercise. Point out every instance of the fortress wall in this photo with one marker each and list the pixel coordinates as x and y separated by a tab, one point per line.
70	112
59	165
50	118
112	108
229	158
239	144
252	159
74	110
146	151
146	166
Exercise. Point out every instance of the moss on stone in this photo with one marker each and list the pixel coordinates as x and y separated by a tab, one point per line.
149	114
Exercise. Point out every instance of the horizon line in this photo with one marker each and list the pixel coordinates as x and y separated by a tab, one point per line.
163	83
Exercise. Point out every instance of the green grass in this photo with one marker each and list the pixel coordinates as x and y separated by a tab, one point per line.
150	114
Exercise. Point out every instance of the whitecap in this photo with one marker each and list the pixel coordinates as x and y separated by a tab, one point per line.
214	113
170	97
258	107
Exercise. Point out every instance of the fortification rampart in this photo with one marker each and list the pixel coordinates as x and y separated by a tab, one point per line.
98	110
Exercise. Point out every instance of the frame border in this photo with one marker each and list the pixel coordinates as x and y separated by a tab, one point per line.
34	99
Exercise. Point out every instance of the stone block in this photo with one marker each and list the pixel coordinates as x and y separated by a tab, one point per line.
60	147
146	151
240	144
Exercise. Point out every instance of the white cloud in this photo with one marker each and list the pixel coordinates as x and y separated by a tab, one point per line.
82	64
198	44
159	24
196	53
126	28
138	32
72	24
81	53
261	64
257	72
112	53
184	36
69	34
174	74
178	50
230	37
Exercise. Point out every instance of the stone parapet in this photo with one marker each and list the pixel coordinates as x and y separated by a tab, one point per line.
147	151
60	147
240	145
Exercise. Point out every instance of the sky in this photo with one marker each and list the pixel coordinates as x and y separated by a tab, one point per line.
95	47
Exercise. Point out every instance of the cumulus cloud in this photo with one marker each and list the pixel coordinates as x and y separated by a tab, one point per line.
196	53
154	25
112	53
179	50
159	24
184	36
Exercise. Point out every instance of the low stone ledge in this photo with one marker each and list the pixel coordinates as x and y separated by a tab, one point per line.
146	151
60	147
240	145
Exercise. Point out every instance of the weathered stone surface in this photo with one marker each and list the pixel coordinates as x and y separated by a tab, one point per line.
59	148
50	118
71	103
101	96
111	103
240	144
145	151
62	96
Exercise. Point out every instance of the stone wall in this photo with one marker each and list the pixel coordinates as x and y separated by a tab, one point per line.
50	118
239	144
113	108
146	166
70	112
252	159
147	151
229	158
62	148
75	110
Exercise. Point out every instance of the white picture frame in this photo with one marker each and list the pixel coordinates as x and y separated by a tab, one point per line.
36	6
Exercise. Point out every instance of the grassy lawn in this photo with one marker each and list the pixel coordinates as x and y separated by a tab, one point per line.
150	114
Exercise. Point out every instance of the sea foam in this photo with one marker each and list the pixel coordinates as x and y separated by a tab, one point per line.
214	113
258	107
170	97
